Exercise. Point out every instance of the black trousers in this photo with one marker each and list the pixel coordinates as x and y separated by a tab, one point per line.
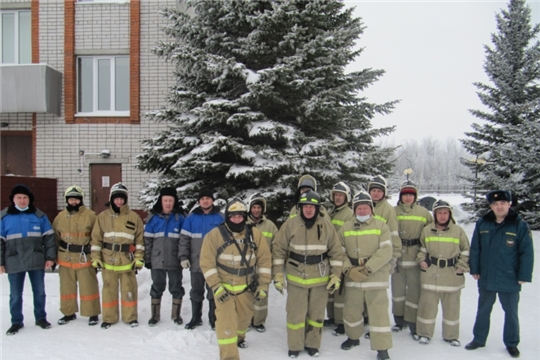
159	283
198	284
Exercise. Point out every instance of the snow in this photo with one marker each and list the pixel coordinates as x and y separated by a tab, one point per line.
167	340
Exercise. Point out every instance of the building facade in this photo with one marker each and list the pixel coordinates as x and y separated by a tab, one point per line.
77	78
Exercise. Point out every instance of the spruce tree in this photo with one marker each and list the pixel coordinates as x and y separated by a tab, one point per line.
261	98
506	141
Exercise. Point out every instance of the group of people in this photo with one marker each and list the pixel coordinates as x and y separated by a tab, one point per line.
342	260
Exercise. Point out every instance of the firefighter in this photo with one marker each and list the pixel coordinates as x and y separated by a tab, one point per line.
236	263
305	183
73	229
368	245
406	279
256	211
161	240
309	247
443	259
118	249
340	196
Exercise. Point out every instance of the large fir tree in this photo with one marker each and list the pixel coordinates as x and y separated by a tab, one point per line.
262	97
506	142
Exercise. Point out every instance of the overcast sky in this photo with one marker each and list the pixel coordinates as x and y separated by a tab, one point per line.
432	52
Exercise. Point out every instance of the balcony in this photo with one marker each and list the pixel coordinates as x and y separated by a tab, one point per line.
30	88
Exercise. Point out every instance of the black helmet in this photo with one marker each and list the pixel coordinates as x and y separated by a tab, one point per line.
378	182
362	197
310	198
307	181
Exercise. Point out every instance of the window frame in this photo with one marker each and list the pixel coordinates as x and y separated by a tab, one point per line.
95	88
17	36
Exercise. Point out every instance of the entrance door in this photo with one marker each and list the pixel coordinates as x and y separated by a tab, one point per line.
102	177
16	154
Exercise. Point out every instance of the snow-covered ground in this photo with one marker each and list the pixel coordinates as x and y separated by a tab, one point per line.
79	341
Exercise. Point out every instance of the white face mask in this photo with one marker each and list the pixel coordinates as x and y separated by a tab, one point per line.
21	209
363	218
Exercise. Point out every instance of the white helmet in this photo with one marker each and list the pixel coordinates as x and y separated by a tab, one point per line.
257	197
118	189
343	188
362	197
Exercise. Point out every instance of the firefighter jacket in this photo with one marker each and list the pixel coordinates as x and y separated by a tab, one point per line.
502	254
318	244
411	222
383	211
341	215
267	228
74	229
195	228
367	244
26	240
447	246
222	263
161	240
117	239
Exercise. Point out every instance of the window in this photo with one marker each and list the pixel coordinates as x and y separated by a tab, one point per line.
16	38
103	85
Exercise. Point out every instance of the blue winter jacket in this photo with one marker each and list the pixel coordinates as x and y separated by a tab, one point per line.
161	240
26	240
502	254
195	227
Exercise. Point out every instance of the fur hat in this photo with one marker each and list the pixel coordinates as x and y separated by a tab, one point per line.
22	189
166	191
499	195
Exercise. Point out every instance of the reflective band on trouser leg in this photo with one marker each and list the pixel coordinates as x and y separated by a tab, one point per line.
226	329
353	317
129	292
412	276
428	307
260	311
379	322
89	292
68	290
330	307
318	296
339	304
109	296
297	306
450	309
244	312
398	292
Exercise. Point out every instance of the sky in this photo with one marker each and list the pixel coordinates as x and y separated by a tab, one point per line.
432	52
79	341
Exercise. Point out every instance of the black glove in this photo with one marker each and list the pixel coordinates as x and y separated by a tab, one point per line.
221	294
148	265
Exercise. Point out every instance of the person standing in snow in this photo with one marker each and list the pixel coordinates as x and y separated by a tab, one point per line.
161	241
443	260
118	249
198	223
406	279
502	258
27	246
73	229
256	218
308	247
236	263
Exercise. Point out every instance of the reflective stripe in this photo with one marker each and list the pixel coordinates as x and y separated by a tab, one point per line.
366	285
315	323
117	267
409	263
423	249
442	288
292	216
339	305
160	234
139	247
210	272
68	297
185	232
48	232
115	234
465	253
235	258
394	233
13	236
338	222
450	322
234	288
362	232
147	234
268	234
34	234
264	271
336	263
442	239
196	236
260	308
354	324
379	329
3	238
110	304
95	248
386	242
399	299
344	249
241	332
278	262
296	326
412	218
309	247
74	265
380	218
228	341
219	290
89	297
426	321
411	305
298	280
128	303
174	235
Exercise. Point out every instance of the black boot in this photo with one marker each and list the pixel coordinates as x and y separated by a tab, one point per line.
383	355
350	343
400	324
155	307
412	328
196	315
212	314
175	314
